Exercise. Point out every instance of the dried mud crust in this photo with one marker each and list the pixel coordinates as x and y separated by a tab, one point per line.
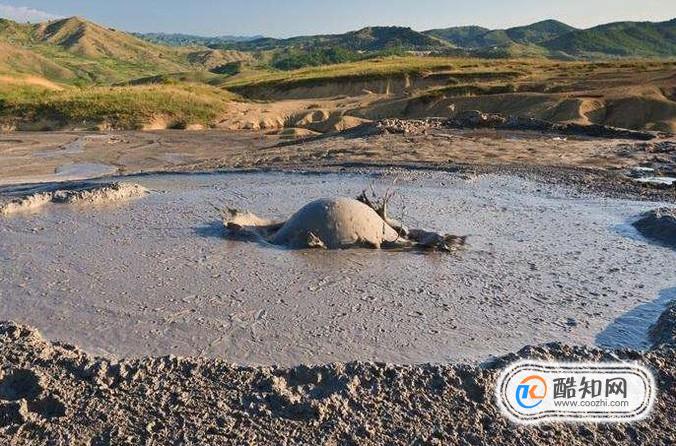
78	193
56	394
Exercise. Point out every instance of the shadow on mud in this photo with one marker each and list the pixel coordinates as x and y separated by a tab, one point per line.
213	229
631	330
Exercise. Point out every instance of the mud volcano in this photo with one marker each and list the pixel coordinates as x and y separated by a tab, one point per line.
335	223
338	223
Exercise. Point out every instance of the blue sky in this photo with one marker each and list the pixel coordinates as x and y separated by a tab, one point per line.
298	17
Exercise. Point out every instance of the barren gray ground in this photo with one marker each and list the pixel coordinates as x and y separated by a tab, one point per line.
156	276
58	395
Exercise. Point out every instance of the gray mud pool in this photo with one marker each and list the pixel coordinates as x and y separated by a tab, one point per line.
156	275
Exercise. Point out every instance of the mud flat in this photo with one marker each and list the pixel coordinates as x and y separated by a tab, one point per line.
156	275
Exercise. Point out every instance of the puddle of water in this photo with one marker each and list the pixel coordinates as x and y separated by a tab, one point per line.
84	170
65	172
74	147
71	148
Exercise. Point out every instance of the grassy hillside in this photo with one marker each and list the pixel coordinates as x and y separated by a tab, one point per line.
387	66
77	51
624	39
554	39
376	38
478	37
460	36
633	94
174	106
538	32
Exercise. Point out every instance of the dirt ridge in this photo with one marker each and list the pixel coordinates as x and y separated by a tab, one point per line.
55	393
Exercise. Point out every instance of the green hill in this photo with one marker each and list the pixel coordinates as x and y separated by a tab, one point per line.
538	32
377	38
551	38
460	36
478	37
75	50
622	39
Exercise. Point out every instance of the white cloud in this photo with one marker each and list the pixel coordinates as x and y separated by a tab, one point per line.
25	14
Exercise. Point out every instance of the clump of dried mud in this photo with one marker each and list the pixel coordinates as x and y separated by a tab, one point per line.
475	119
338	223
659	225
52	393
89	194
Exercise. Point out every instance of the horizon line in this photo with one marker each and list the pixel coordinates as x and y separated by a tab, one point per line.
261	35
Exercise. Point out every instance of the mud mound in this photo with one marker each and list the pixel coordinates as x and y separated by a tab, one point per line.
294	133
335	223
326	223
89	194
27	203
338	223
664	331
659	225
65	394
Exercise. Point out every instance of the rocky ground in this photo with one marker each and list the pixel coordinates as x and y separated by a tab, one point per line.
57	394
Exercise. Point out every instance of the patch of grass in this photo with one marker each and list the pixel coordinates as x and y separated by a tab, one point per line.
365	69
447	70
129	107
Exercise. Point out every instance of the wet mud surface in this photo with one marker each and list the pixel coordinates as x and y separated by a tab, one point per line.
156	276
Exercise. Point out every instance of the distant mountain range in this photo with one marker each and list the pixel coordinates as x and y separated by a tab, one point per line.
556	39
75	50
621	39
376	38
177	39
548	38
